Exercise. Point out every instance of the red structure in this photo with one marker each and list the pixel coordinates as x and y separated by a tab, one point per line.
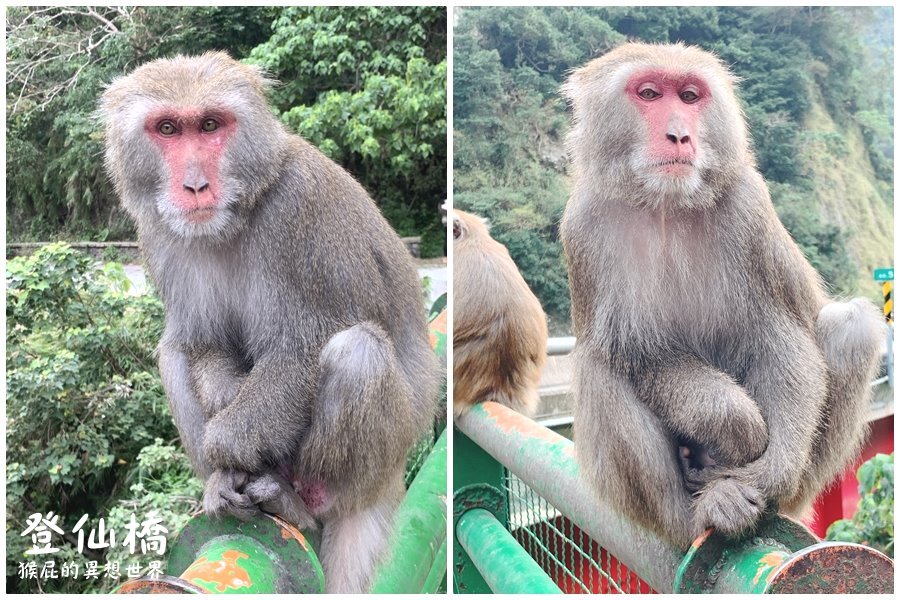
840	500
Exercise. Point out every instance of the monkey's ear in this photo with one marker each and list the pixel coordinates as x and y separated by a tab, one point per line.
458	227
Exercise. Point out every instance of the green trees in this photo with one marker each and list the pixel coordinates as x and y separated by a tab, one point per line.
819	125
366	84
86	417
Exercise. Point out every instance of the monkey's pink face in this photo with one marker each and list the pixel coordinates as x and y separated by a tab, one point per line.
192	142
671	106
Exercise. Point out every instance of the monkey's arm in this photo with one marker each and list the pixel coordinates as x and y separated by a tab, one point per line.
174	369
704	405
627	453
217	376
262	426
790	381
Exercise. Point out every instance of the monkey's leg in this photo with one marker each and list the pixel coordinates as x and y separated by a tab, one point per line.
627	454
353	543
353	456
700	403
788	379
849	335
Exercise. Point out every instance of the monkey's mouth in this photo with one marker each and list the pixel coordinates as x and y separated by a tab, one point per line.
200	215
675	166
674	161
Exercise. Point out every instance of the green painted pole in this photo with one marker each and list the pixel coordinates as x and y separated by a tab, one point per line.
505	565
228	556
780	555
438	573
420	528
545	461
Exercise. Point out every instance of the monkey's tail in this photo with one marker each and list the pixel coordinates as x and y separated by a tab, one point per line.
849	335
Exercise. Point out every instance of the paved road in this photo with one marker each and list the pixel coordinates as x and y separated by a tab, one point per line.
437	275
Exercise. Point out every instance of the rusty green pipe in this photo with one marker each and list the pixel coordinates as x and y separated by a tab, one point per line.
782	556
503	563
545	461
228	556
779	552
420	529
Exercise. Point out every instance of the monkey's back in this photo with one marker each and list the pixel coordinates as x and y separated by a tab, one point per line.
499	329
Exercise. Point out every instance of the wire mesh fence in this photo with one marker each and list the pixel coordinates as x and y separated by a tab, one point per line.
575	561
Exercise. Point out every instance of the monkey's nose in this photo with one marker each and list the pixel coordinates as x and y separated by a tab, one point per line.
196	186
194	180
684	139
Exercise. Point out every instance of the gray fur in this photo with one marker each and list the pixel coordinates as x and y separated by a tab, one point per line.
297	255
699	319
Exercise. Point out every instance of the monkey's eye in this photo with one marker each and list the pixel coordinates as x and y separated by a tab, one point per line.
210	125
167	128
689	96
648	93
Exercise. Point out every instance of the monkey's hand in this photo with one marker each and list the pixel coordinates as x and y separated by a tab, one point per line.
730	505
275	495
224	495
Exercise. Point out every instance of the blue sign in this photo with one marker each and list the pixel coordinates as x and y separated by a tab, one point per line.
884	274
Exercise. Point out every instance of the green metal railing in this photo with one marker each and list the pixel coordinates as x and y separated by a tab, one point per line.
269	555
505	453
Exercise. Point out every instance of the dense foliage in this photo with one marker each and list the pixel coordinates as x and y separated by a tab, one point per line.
802	70
873	522
88	428
366	84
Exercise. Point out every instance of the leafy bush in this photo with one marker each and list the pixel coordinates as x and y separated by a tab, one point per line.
85	409
873	522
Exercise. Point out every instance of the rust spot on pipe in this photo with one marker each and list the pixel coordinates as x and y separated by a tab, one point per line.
288	532
439	325
767	565
509	421
223	573
701	538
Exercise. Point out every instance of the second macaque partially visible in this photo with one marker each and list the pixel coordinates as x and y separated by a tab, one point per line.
499	327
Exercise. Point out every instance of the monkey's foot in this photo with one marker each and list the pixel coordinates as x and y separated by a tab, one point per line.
224	495
729	505
274	494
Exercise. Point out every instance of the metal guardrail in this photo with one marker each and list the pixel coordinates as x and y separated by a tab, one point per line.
267	555
783	556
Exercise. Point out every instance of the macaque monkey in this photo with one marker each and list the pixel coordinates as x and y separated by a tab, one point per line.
499	327
715	378
295	355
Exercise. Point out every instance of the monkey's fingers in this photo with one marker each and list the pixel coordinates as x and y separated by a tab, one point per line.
730	505
222	497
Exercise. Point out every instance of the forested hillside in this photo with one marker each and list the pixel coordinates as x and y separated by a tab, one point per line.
817	85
